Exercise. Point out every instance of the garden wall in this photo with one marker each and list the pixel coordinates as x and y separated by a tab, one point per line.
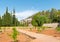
52	25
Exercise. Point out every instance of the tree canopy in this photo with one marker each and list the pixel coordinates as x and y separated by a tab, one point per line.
9	19
49	16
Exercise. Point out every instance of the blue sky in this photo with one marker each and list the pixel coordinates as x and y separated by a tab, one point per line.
26	8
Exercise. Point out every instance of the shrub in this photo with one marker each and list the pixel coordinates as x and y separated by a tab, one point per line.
14	34
0	29
41	28
58	29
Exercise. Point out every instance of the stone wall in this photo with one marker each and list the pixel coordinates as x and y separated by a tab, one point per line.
52	25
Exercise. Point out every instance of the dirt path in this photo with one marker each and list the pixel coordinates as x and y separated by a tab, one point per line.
5	36
44	38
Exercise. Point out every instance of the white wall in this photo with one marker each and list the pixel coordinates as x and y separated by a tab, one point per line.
53	25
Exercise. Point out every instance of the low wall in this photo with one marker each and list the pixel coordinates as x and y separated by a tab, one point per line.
52	25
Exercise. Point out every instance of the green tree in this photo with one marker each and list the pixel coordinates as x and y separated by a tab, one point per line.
54	19
34	23
53	15
58	19
15	20
0	24
47	13
43	13
39	20
0	21
58	13
7	19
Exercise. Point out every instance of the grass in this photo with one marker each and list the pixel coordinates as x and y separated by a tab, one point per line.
58	29
39	29
0	29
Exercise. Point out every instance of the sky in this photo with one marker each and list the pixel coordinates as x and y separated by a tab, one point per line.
26	8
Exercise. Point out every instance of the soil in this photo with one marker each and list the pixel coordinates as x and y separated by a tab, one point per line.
5	36
49	31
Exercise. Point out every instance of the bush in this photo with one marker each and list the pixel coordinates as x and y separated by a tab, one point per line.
41	28
14	34
0	29
58	29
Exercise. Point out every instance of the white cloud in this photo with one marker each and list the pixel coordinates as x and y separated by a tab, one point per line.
25	14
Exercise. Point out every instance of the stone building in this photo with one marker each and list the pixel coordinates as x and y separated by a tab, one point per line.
27	21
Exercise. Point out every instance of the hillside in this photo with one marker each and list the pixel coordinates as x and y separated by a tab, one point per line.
48	16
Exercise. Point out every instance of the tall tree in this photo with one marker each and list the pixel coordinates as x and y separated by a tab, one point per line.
7	18
43	12
39	20
47	13
14	17
0	21
58	13
15	20
53	15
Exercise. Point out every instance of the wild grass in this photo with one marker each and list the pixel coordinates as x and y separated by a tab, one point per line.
58	29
